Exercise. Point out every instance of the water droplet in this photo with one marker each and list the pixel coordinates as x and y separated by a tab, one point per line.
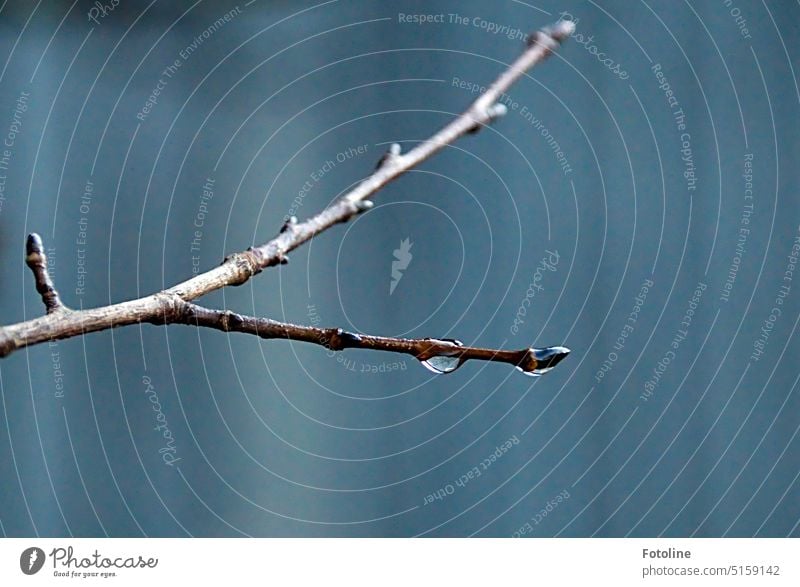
441	364
539	361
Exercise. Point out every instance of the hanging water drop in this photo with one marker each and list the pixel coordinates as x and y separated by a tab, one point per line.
537	362
441	364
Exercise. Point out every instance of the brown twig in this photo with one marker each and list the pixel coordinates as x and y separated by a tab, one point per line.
171	306
448	354
36	259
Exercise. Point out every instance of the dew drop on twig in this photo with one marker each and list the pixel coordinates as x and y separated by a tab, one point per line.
441	364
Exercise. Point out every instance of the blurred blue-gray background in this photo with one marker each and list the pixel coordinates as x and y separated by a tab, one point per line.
638	204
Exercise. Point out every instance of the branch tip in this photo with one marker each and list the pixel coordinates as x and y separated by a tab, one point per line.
553	34
561	30
36	260
34	244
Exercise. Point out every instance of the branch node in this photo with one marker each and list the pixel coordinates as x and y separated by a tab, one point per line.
36	259
496	111
493	112
247	262
230	321
355	207
364	205
289	224
341	339
174	308
389	156
349	339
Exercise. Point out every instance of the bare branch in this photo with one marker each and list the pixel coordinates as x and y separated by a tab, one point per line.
238	268
438	355
171	306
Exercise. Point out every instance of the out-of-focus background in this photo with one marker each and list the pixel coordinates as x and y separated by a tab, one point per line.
638	204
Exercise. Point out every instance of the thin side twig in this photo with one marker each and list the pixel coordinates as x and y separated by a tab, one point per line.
36	259
169	306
